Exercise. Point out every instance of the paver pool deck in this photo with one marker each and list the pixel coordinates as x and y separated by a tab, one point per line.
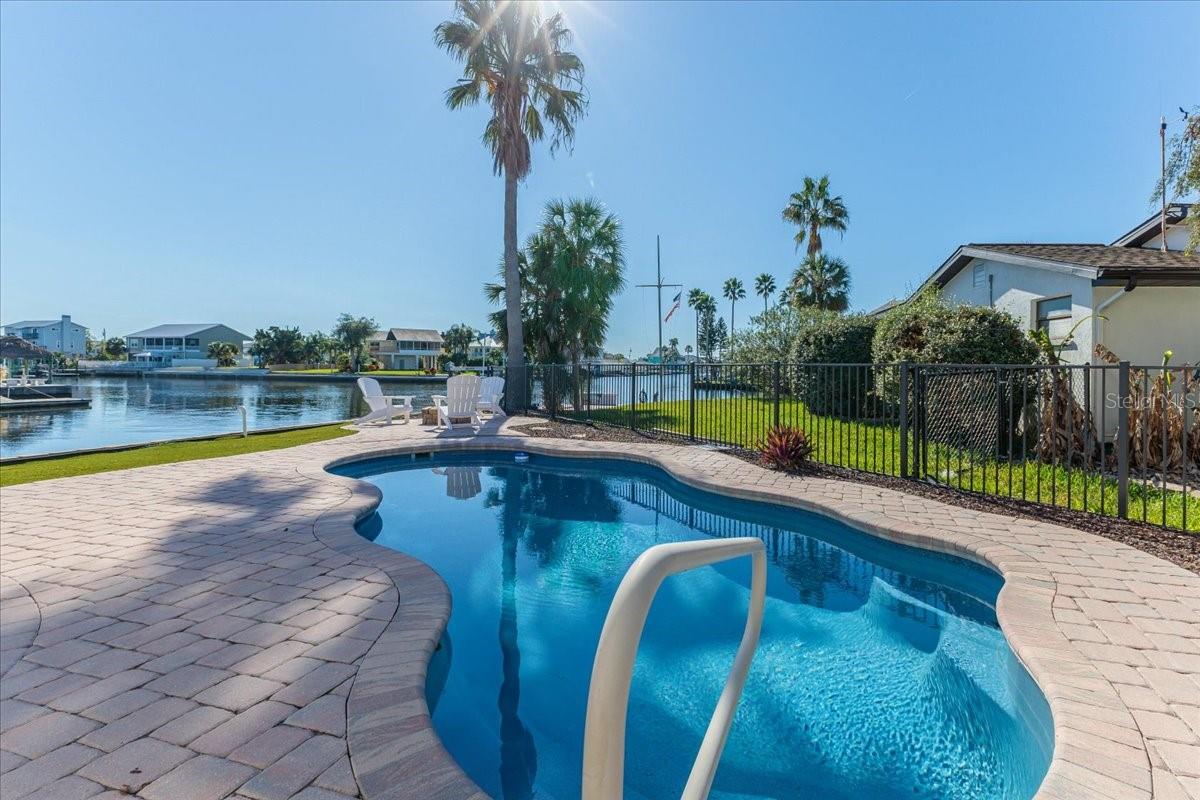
217	629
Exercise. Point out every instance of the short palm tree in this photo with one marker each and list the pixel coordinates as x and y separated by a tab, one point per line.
519	64
764	287
822	281
571	270
733	291
813	210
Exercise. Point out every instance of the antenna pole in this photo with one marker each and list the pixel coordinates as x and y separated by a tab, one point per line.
658	272
1162	152
659	285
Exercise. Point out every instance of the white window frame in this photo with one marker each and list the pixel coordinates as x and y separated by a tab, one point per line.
1068	314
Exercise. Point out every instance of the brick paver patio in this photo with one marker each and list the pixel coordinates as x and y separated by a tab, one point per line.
216	629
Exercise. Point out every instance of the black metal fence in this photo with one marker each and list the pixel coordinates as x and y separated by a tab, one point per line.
1113	439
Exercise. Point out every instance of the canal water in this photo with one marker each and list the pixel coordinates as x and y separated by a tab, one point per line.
128	410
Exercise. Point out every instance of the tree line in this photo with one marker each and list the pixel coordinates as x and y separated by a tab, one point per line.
345	346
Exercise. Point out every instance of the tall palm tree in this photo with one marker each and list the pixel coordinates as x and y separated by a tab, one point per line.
519	64
733	292
822	281
764	287
813	210
695	301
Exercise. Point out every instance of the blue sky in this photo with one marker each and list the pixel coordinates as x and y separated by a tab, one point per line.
279	164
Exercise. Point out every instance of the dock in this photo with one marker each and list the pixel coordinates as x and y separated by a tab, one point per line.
8	404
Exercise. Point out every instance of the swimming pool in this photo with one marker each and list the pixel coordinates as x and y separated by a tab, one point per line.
881	671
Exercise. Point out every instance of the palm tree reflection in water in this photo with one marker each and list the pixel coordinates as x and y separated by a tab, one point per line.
525	517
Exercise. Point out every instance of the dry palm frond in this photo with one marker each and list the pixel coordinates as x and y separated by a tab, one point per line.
1066	432
1159	410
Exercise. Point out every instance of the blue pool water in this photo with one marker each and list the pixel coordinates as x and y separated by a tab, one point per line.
881	671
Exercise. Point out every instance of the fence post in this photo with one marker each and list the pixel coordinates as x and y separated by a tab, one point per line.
552	397
776	386
576	391
1123	440
633	397
904	470
692	401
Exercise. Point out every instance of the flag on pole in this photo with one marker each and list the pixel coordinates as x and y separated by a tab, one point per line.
674	307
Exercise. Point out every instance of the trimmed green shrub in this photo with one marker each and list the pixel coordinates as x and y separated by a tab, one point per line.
929	330
826	337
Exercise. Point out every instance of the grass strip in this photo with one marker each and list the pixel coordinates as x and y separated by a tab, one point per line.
170	453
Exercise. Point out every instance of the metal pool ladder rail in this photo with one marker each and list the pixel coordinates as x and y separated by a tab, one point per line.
612	671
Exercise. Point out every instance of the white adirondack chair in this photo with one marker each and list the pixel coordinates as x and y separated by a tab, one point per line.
490	392
460	401
383	406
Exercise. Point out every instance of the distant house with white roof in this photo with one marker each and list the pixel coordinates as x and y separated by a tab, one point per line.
1132	296
406	348
56	335
484	349
164	345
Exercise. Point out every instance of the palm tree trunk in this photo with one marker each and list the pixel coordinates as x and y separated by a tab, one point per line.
814	240
516	380
731	325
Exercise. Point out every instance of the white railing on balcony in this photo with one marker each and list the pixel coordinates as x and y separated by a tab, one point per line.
612	671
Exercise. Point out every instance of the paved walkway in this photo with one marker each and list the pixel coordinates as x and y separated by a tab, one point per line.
215	628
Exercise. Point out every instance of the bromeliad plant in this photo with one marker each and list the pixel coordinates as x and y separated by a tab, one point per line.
786	449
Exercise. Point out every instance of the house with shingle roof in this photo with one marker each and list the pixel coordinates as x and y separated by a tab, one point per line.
166	345
406	348
1131	295
56	335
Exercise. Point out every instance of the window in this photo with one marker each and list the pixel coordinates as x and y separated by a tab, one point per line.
1054	316
193	342
979	275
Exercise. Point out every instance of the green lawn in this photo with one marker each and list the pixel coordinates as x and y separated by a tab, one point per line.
875	447
70	466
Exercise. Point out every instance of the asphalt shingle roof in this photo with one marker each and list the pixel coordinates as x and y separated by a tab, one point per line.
176	329
1101	256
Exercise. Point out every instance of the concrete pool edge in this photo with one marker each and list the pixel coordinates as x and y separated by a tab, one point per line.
1099	748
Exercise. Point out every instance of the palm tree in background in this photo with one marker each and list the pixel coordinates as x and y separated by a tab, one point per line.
733	291
519	64
764	287
696	302
822	281
813	209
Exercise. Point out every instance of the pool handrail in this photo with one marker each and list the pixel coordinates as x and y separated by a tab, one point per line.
612	670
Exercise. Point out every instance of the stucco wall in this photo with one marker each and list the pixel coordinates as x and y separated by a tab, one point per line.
1151	319
1016	288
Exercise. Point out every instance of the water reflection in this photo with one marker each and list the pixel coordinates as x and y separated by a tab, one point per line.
518	753
126	410
462	483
